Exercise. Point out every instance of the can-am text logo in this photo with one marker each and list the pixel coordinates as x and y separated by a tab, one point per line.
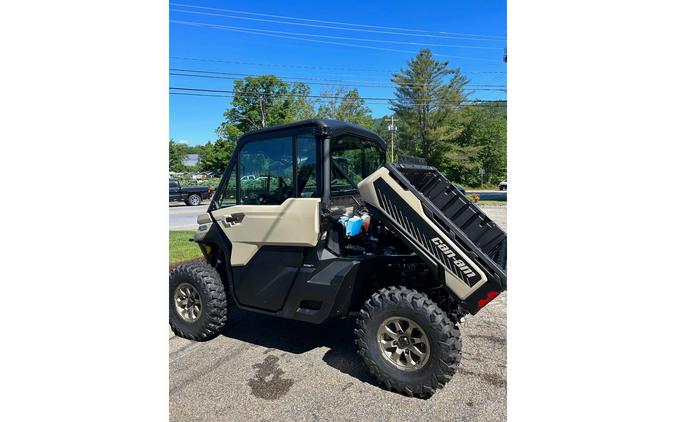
451	254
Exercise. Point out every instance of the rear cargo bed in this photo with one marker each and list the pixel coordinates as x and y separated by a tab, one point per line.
446	229
450	203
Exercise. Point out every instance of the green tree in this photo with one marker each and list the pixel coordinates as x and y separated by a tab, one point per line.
302	107
177	153
485	130
348	106
216	156
381	127
461	164
262	101
427	107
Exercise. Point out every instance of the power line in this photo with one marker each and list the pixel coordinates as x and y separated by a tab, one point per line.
257	32
310	67
312	82
336	37
500	103
374	83
423	100
321	100
426	33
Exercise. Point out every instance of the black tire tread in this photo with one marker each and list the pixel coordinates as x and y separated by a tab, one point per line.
450	343
215	305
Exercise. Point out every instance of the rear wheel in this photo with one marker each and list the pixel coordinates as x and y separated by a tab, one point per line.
197	303
407	342
194	199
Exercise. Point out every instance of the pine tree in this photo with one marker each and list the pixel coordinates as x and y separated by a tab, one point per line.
426	105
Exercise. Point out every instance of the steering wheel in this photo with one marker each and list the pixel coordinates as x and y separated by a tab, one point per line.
264	199
277	195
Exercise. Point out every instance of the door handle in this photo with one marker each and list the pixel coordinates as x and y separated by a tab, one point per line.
234	218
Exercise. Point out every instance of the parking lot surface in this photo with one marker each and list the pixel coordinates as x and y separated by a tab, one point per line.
184	217
269	369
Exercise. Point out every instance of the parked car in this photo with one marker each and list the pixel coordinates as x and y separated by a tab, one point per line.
191	195
249	177
502	185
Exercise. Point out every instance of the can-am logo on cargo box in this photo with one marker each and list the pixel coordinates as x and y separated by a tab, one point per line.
445	249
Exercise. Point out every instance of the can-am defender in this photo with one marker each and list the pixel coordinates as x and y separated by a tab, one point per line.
310	223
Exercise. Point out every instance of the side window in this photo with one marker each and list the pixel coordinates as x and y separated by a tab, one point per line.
373	158
345	155
306	166
352	160
266	171
173	185
229	194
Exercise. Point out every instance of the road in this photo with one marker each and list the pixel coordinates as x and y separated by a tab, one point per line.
184	217
270	369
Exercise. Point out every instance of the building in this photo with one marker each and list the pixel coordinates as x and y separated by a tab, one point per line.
191	160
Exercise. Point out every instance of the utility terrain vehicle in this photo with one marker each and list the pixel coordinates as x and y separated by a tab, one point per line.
327	229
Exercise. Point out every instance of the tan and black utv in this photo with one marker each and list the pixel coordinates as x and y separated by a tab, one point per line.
310	223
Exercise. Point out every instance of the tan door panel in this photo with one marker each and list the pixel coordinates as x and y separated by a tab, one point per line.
293	223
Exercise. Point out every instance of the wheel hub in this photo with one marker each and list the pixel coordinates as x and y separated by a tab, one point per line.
403	343
187	302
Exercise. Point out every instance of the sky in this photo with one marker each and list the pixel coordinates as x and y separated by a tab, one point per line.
199	42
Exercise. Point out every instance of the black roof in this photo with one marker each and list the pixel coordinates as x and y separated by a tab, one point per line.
330	127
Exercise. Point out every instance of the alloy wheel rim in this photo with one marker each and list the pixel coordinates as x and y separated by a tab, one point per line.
188	303
194	200
403	343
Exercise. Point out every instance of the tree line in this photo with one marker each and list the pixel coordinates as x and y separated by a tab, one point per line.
433	115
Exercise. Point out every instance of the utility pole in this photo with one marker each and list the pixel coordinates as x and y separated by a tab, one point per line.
392	129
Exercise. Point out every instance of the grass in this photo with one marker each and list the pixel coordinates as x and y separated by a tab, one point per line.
484	187
180	247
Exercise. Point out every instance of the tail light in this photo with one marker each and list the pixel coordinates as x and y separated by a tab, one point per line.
487	299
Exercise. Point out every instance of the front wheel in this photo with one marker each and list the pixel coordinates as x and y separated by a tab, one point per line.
194	200
197	301
407	342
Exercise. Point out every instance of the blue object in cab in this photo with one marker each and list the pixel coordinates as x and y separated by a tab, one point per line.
354	226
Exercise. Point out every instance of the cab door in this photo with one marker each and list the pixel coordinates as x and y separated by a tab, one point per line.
275	220
174	191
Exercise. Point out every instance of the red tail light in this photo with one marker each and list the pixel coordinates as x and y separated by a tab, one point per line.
488	298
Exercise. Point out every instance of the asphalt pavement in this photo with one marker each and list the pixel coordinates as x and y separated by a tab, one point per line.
184	217
269	369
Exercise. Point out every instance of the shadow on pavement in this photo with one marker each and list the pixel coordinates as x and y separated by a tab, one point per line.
299	337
